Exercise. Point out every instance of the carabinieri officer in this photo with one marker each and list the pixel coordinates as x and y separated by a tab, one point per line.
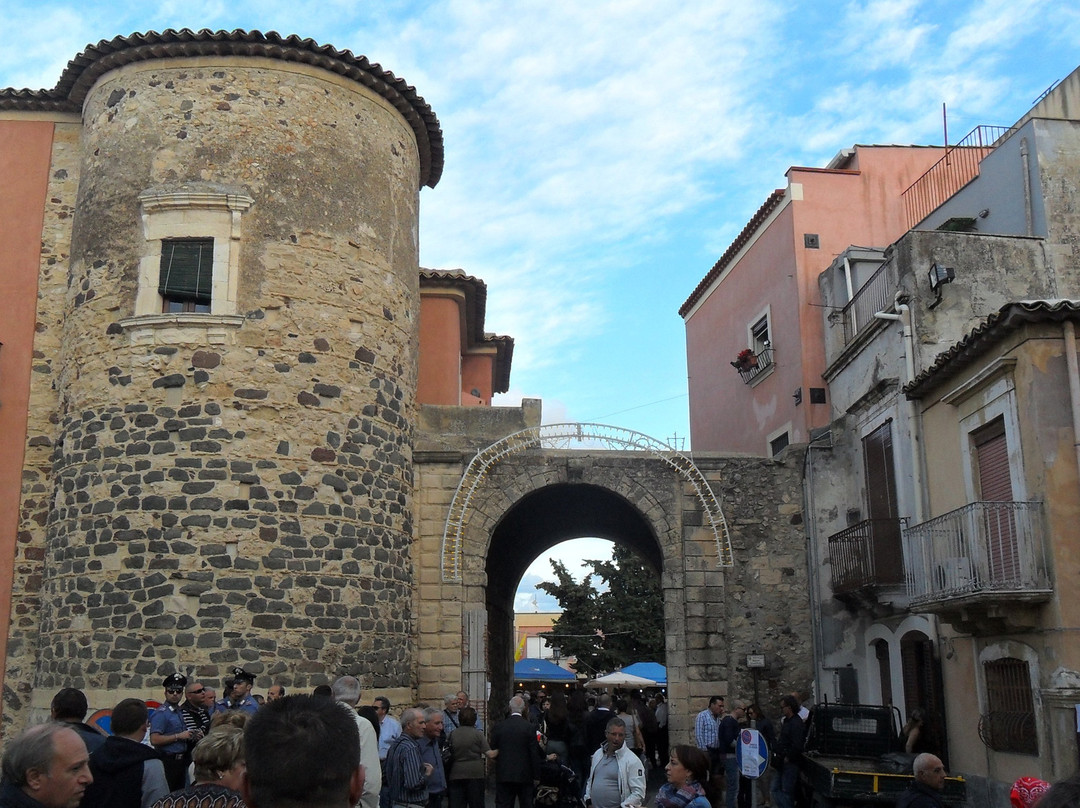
169	735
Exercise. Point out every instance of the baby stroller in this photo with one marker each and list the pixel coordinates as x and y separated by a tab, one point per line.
559	787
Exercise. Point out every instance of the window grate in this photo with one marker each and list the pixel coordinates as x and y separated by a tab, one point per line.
1009	726
186	274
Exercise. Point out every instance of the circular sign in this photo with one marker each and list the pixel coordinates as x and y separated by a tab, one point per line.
752	753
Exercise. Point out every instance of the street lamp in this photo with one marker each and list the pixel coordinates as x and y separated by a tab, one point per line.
556	652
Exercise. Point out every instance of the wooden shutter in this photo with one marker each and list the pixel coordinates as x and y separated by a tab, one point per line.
881	503
187	266
995	485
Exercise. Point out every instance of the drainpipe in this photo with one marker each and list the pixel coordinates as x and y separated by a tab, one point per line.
903	316
1069	330
1025	158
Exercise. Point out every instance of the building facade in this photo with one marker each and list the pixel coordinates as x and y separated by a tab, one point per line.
944	496
753	328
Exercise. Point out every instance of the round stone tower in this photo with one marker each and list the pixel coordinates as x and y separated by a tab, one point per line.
233	475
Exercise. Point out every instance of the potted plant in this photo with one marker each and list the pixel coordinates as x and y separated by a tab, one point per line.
745	360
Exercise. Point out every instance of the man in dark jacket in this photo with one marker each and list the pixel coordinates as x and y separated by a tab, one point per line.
517	765
69	706
45	766
788	750
596	724
925	790
127	773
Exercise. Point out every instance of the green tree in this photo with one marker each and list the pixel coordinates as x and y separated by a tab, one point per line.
609	628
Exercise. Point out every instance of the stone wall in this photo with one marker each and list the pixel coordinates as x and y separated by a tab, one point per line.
225	489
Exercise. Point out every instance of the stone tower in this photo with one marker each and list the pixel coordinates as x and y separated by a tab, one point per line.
231	477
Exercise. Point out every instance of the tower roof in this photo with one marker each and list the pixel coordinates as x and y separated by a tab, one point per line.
85	69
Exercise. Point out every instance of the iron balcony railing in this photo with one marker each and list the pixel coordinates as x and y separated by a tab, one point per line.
985	548
957	168
873	296
866	555
763	360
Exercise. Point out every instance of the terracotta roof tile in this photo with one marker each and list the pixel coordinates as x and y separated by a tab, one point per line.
775	198
1004	321
86	68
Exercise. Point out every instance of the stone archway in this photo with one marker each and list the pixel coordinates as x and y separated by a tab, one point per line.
566	436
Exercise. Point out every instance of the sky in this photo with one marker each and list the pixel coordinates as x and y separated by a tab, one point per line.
602	154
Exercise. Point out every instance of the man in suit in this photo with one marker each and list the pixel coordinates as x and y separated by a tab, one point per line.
517	758
596	723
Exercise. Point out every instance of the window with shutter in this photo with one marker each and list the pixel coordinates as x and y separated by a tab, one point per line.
186	275
995	485
1009	723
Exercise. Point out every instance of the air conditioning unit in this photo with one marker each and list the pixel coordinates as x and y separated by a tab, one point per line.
954	573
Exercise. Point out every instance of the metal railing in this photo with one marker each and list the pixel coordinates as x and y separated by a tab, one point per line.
957	168
982	548
762	361
873	296
865	555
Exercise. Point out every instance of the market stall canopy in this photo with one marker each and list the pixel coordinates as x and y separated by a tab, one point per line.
620	679
650	670
541	670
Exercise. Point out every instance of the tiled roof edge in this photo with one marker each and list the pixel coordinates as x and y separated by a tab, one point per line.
1004	321
95	60
775	198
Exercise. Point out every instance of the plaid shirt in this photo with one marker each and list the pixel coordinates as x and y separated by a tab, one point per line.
707	730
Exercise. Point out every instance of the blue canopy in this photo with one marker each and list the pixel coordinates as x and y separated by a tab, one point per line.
541	670
649	670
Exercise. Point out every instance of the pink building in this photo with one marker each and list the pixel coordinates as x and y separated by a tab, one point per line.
754	335
460	363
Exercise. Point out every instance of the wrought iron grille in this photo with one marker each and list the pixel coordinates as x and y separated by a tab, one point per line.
764	362
865	554
1010	724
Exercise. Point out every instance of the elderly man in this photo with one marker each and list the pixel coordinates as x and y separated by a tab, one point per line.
617	775
517	764
406	773
45	766
451	705
346	690
727	742
925	790
302	752
431	746
275	692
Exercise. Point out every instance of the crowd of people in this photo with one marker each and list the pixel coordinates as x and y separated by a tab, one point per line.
326	749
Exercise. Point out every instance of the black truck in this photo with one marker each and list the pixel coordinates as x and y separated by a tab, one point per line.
853	757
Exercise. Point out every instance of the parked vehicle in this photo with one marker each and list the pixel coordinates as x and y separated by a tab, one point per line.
853	757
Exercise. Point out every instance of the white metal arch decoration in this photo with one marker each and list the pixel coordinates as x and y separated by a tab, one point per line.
568	436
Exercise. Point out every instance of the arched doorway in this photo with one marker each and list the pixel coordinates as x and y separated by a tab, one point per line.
923	688
538	522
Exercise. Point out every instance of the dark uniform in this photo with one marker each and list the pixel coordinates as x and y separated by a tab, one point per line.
243	681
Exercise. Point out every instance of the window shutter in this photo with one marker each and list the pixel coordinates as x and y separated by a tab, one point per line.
186	269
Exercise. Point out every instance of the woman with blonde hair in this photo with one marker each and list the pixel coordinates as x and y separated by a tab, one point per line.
219	771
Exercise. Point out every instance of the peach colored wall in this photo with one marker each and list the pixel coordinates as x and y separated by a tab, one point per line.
843	207
25	151
439	379
725	413
477	372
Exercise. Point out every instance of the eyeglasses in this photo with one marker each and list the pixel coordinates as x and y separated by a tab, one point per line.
174	690
197	692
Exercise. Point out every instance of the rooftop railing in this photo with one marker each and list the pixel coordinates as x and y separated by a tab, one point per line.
957	168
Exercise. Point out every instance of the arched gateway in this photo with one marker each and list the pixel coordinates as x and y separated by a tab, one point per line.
490	509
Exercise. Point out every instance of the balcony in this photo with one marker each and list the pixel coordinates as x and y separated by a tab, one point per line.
867	560
755	365
982	567
873	296
957	168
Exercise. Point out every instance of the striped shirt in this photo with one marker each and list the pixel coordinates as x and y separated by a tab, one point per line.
405	777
